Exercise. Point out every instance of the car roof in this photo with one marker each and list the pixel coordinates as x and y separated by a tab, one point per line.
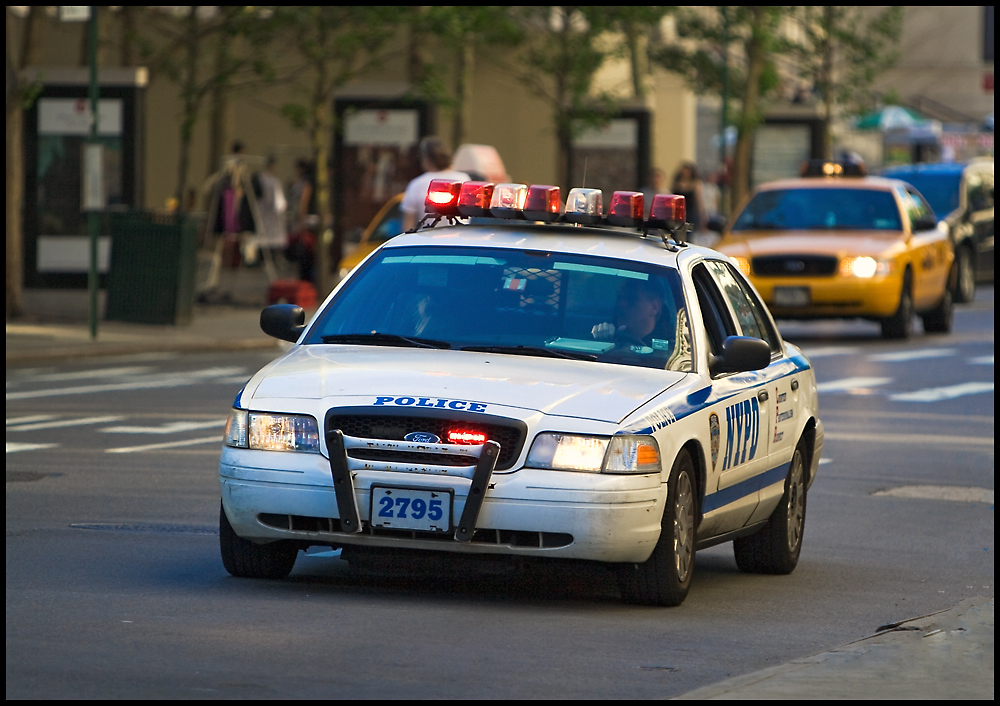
937	168
864	183
620	244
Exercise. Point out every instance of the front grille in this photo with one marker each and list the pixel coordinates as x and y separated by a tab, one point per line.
494	537
509	433
794	265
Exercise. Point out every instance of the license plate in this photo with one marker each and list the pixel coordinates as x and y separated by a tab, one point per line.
411	509
791	296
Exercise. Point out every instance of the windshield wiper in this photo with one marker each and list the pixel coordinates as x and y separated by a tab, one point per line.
385	339
529	350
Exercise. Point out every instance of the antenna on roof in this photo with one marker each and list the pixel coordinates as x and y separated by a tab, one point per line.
584	184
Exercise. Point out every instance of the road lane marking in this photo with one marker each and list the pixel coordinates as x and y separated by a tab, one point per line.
14	448
939	492
63	423
166	445
163	381
949	392
912	439
171	428
903	356
846	384
825	351
86	374
30	418
982	360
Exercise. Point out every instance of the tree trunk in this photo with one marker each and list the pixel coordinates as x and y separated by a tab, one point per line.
826	80
15	202
189	90
464	74
218	120
749	114
327	251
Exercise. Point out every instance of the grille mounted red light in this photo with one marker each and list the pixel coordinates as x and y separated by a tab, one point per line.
474	198
626	209
542	203
668	211
442	197
465	436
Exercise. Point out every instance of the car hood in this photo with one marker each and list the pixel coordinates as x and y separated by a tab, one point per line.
840	243
363	375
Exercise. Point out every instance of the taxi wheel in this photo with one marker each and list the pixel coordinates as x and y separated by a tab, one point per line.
900	324
243	558
664	578
939	319
775	548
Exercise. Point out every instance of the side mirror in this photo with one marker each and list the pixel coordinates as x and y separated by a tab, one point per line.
740	354
923	224
284	321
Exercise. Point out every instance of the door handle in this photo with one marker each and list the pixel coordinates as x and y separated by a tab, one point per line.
795	385
762	395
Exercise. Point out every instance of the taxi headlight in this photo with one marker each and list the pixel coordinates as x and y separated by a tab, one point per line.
864	267
588	454
743	264
272	432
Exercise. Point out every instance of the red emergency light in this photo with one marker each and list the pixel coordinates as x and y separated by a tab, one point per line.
542	203
466	436
442	197
668	211
626	209
474	198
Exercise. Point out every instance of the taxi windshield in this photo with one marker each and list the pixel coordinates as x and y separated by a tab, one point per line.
820	209
518	302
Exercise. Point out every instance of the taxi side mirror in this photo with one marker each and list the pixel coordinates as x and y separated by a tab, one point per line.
740	354
283	321
923	224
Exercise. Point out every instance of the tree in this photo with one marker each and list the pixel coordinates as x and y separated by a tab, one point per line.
333	46
756	32
176	46
24	38
560	58
846	48
635	25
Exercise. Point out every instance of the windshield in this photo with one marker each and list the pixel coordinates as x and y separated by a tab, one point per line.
521	302
820	209
940	190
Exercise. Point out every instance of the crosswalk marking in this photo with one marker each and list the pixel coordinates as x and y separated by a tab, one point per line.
949	392
845	384
167	445
982	360
912	439
903	356
14	448
171	428
30	418
62	423
165	380
94	373
826	351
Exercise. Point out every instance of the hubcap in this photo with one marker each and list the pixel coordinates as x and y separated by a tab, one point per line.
796	502
683	526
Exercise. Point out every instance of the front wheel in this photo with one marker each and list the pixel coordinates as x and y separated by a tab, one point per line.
900	324
664	578
965	275
775	548
243	558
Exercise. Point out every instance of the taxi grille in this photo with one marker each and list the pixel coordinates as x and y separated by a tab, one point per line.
509	434
794	265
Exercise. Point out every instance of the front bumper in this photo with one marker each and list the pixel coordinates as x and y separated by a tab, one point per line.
271	496
835	296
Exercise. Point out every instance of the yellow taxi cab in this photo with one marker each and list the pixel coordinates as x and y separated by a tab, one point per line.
387	223
839	244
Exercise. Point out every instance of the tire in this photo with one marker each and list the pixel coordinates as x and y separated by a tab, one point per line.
664	578
775	548
940	318
900	324
964	289
243	558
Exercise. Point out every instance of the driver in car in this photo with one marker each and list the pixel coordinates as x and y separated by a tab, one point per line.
637	312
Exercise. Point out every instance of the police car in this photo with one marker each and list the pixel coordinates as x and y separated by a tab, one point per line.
533	379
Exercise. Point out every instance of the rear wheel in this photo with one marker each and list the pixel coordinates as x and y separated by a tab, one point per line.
939	319
243	558
900	324
664	578
775	548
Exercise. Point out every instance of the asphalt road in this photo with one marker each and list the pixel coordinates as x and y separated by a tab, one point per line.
115	589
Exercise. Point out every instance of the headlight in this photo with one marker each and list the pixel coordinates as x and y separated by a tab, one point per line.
272	432
743	264
864	267
619	454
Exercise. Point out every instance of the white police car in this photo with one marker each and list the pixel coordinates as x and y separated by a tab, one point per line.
538	388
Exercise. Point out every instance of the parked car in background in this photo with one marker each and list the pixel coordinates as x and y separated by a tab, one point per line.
962	195
838	244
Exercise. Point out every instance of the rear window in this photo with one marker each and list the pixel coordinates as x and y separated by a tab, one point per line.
820	209
940	190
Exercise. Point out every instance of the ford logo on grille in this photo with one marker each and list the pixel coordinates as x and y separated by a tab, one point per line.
422	437
794	266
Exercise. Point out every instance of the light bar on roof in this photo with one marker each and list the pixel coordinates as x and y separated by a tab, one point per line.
584	206
668	211
626	209
542	203
442	197
474	198
508	200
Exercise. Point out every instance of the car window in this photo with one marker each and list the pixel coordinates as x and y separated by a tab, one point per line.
820	209
979	190
749	318
535	302
715	314
915	205
940	189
